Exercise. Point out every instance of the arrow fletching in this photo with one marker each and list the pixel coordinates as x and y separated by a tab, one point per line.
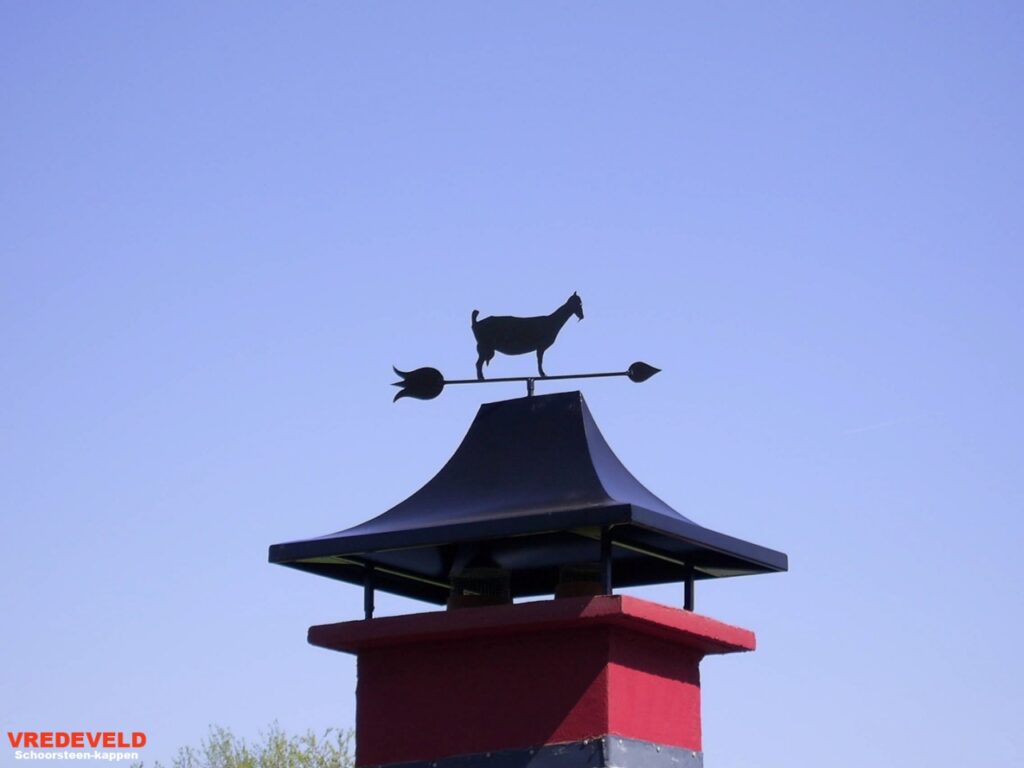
422	384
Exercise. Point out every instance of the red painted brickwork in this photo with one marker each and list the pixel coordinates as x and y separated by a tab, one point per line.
475	680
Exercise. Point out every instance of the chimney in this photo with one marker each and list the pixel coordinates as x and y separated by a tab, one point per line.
533	503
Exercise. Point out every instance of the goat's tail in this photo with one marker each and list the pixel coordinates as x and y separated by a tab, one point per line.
476	314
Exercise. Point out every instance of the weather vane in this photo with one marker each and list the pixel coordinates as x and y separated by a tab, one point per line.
511	336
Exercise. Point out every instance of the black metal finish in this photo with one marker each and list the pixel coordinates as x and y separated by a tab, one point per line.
423	383
368	588
688	591
606	560
603	752
530	487
519	335
511	336
428	383
639	372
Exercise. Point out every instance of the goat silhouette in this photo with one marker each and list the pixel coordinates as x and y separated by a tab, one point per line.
519	335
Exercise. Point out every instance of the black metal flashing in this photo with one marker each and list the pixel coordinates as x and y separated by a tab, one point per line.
531	487
603	752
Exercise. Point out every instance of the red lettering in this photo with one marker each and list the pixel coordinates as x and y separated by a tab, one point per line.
76	739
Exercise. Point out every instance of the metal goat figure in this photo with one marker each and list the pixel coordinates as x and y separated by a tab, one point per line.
519	335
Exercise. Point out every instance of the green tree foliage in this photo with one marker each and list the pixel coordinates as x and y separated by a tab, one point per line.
275	749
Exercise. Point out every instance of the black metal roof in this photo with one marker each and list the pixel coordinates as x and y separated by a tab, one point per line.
530	487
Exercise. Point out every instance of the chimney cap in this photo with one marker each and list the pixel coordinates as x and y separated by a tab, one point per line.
532	486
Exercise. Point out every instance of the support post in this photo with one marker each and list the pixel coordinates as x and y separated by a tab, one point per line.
688	591
606	560
368	592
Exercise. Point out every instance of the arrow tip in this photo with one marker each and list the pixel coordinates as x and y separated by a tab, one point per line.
640	371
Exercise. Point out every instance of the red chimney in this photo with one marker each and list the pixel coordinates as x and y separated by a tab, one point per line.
533	502
572	682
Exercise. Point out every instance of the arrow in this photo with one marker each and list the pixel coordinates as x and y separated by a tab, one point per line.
428	383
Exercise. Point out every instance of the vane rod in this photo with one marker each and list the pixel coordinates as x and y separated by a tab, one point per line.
536	378
428	383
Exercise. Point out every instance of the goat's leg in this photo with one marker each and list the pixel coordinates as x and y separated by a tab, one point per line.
540	362
484	355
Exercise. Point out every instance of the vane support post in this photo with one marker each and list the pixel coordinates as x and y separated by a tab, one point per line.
368	590
688	590
606	560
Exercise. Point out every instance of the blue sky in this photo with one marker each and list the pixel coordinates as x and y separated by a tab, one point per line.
220	227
